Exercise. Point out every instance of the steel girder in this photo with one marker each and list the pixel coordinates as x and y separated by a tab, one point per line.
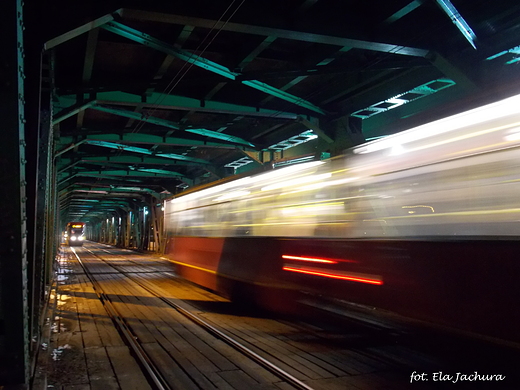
235	27
175	102
123	159
135	149
145	39
170	124
271	32
70	111
77	32
14	294
127	173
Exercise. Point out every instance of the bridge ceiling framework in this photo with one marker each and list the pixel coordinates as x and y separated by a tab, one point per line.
186	93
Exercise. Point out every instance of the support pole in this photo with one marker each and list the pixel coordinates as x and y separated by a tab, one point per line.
14	324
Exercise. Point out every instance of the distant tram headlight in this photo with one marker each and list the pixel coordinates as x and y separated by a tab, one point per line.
73	238
81	238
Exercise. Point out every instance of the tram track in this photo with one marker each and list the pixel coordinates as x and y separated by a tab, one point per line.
144	359
354	352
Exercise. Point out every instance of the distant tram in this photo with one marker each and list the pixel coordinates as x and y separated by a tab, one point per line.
75	234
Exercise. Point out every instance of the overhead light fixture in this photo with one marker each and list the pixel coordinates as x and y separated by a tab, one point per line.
306	136
239	163
423	90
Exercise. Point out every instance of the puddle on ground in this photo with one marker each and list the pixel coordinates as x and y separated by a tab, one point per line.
57	352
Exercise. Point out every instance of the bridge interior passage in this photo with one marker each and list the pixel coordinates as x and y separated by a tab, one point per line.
110	109
190	338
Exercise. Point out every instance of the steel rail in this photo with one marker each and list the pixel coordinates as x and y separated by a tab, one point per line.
219	334
143	359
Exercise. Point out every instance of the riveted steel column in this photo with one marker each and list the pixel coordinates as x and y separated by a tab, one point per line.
49	134
94	230
44	248
138	227
14	335
156	225
128	231
39	277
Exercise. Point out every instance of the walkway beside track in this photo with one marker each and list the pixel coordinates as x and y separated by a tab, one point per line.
82	349
85	351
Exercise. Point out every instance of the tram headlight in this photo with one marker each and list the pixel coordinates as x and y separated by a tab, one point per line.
73	238
81	238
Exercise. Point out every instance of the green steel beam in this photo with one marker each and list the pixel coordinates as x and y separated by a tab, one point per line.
110	174
74	192
137	116
86	204
282	95
176	102
66	165
72	204
70	111
88	65
90	53
77	32
65	179
270	32
257	50
147	40
130	174
100	205
403	12
98	210
458	20
136	173
89	203
217	135
171	125
68	146
148	152
137	189
124	159
140	138
110	181
104	164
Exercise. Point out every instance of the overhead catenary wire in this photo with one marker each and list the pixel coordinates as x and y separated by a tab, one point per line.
181	73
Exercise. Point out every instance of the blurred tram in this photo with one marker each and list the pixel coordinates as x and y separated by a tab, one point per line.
74	234
424	223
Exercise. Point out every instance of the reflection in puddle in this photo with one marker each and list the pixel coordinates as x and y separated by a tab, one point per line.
56	353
